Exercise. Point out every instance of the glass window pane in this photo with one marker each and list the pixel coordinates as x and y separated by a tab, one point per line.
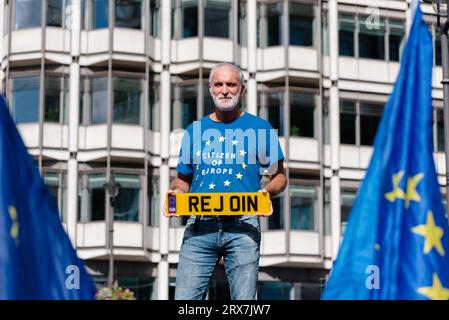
275	112
274	24
270	290
346	35
209	106
128	14
326	121
243	24
127	96
98	100
52	98
27	14
302	207
100	14
154	23
437	49
440	130
25	99
371	39
301	24
302	119
153	103
52	182
97	197
54	13
370	114
189	18
396	39
184	107
216	18
127	202
276	220
347	199
347	122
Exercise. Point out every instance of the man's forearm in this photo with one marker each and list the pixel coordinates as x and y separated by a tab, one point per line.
276	185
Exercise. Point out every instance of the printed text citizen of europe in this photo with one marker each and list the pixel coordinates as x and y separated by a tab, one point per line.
248	310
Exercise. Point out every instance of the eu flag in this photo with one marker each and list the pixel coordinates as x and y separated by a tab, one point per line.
37	260
396	244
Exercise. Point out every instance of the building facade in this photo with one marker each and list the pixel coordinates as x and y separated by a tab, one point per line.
102	88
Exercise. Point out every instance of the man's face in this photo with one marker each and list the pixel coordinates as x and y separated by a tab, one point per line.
225	88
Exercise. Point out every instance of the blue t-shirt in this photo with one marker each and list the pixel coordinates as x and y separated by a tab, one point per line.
229	156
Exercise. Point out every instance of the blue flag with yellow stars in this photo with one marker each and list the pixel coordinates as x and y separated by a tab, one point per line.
396	244
37	260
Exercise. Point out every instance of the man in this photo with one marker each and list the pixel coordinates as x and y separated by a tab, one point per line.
251	148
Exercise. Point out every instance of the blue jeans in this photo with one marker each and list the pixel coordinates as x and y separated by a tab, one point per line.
236	240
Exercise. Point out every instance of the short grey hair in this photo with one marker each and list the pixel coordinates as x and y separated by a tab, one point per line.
230	65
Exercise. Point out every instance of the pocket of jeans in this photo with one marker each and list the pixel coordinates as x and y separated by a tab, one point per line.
250	223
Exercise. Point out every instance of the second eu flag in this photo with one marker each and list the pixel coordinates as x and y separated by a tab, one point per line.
396	244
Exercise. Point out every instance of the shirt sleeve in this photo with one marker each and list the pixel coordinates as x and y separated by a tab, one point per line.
272	151
185	163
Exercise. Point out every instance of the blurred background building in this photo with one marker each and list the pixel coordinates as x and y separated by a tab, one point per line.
102	87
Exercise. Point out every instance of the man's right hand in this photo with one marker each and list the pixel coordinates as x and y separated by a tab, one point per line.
173	191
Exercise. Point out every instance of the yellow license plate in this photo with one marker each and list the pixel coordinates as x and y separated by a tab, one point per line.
214	204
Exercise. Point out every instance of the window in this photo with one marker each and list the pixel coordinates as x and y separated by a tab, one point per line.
58	192
128	14
153	202
274	24
53	99
100	14
184	106
440	130
437	49
54	13
302	110
25	99
216	18
348	122
189	18
243	24
127	97
301	24
97	197
347	200
346	35
272	110
395	41
276	220
271	290
155	17
370	114
326	122
127	202
154	105
27	14
98	100
371	39
302	210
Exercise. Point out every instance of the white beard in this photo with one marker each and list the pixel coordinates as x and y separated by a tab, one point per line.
226	104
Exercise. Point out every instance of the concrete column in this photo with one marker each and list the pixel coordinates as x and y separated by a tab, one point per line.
252	56
334	116
74	98
164	179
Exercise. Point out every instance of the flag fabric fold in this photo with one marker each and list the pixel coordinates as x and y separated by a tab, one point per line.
396	243
37	259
